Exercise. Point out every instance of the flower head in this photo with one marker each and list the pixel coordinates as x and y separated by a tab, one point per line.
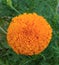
29	34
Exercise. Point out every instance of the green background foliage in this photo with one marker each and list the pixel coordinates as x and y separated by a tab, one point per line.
47	8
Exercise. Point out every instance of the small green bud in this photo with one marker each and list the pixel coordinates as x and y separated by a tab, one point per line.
9	2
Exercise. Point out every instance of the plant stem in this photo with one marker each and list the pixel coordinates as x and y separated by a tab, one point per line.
3	30
57	7
9	3
15	9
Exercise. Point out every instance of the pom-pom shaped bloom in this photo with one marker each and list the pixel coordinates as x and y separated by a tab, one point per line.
29	34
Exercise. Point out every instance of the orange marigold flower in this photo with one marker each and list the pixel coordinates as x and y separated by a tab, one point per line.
29	34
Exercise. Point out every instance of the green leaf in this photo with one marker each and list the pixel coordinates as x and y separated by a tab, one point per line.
47	8
1	62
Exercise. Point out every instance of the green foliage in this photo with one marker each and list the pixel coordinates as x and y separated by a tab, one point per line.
46	8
